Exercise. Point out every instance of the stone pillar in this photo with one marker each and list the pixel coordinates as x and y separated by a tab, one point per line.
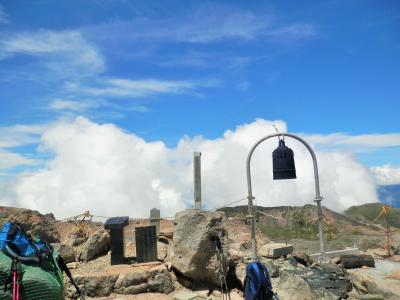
155	219
116	226
197	179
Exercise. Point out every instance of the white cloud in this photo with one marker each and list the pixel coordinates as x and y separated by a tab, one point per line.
64	105
65	52
386	174
120	87
3	16
108	171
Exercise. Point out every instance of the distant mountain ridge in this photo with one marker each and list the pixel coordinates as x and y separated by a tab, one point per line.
370	211
390	194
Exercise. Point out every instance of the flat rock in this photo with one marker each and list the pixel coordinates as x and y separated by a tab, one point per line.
156	279
370	297
187	295
275	250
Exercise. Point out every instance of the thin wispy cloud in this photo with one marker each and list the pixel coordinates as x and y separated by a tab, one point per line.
70	105
356	143
10	160
3	16
63	52
19	135
206	24
94	108
120	87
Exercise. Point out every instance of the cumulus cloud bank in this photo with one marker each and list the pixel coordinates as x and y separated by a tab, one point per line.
386	174
102	168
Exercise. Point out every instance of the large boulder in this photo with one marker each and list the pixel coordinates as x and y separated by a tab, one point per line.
97	245
35	223
195	238
65	251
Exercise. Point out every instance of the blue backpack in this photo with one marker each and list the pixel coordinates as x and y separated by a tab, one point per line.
257	284
16	243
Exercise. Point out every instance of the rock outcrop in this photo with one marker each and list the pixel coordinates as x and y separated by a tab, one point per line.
196	236
75	238
382	280
35	223
155	279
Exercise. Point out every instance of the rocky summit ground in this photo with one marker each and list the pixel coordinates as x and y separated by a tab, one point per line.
187	268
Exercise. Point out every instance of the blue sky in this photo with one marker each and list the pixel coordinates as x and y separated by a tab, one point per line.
108	99
194	68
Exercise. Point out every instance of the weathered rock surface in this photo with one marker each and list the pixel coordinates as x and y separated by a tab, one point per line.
75	238
135	281
325	281
156	279
66	252
383	280
96	286
97	244
272	269
302	258
35	223
195	237
292	287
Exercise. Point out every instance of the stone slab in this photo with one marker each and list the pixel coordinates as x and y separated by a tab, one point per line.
275	250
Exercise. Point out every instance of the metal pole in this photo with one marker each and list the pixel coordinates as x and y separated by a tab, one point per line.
317	199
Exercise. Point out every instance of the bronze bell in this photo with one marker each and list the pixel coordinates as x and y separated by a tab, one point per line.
283	162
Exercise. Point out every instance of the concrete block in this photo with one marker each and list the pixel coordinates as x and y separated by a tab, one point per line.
275	250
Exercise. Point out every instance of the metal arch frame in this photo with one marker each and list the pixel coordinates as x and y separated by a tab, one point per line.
317	199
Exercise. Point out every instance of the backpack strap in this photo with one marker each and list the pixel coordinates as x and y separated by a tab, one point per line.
19	257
